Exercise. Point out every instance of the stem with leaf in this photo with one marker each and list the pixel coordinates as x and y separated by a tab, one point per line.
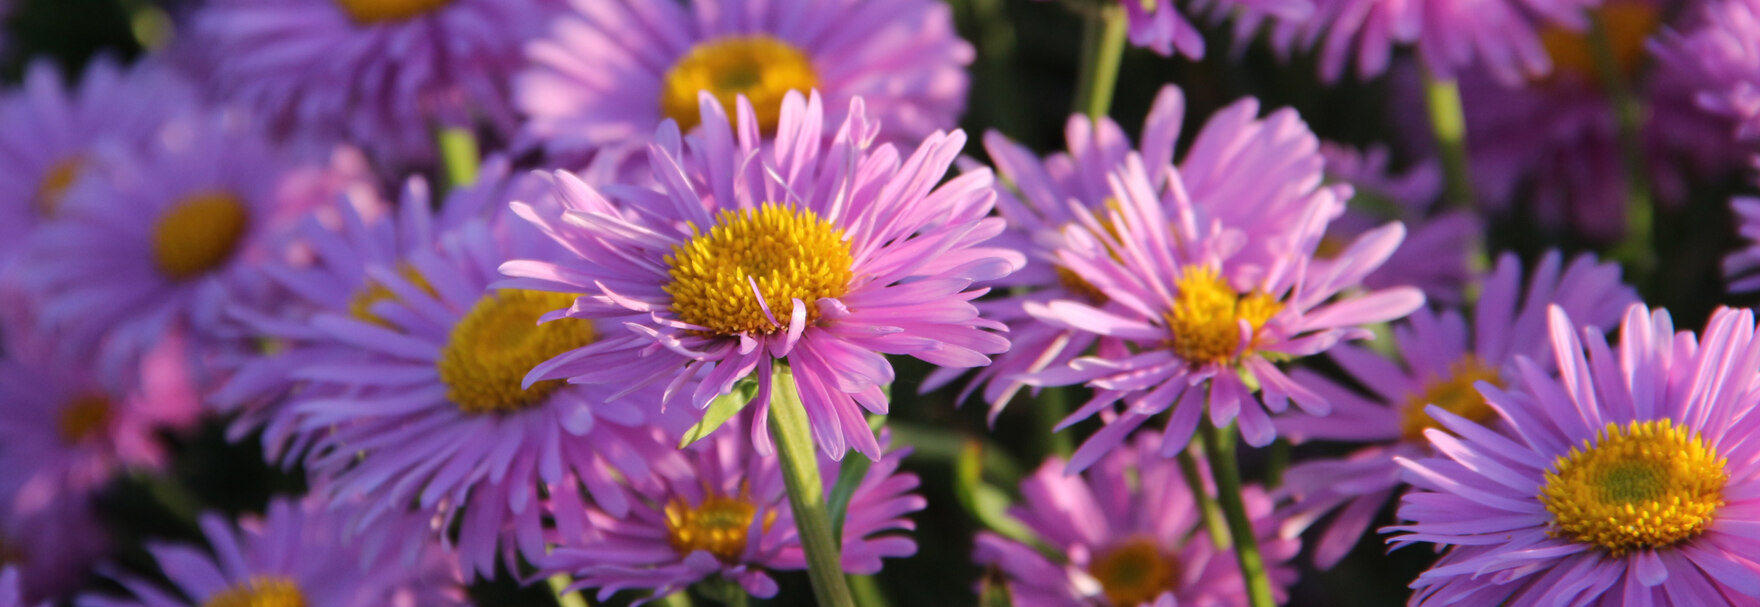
806	490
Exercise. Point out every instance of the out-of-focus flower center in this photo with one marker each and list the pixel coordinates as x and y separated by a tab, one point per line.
53	189
1647	485
199	234
788	253
1629	24
499	341
360	305
1453	392
260	591
82	417
718	525
1074	283
371	12
1135	572
1206	316
762	68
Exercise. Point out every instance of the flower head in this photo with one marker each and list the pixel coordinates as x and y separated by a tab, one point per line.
610	71
1442	357
1627	479
1132	535
1718	53
1739	267
1436	254
821	255
1160	26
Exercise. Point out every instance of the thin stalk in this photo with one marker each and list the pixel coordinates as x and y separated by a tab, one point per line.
1102	48
1212	516
1219	449
806	491
1637	250
1052	407
1448	122
458	153
867	591
559	584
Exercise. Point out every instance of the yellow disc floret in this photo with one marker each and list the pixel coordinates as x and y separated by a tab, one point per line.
260	591
499	341
1629	25
1453	392
83	416
360	305
199	234
718	525
53	189
1646	485
371	12
1135	572
789	253
1206	315
762	68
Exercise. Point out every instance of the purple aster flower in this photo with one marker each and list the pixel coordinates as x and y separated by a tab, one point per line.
1207	289
10	595
1629	479
412	392
377	73
1500	36
1436	255
1441	358
298	553
1131	535
1742	268
718	511
1717	51
50	133
1158	25
860	254
612	70
54	548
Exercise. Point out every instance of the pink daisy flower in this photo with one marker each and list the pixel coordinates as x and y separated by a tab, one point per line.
296	554
609	71
1718	52
863	255
1627	480
1436	254
718	511
1160	26
1441	358
413	396
1131	535
1205	290
379	74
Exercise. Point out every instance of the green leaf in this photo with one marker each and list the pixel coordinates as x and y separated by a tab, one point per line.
855	468
721	409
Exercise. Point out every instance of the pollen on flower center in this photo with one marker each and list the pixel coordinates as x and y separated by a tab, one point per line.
1135	572
789	253
371	12
53	189
82	417
1629	25
1453	392
1647	485
1206	316
761	67
499	341
199	234
360	305
718	525
260	591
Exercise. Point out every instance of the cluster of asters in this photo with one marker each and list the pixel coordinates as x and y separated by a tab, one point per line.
558	359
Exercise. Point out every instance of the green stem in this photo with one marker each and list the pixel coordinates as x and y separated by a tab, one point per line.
1052	407
1448	122
1102	49
458	152
1212	516
806	491
1219	449
559	584
1637	251
677	599
867	591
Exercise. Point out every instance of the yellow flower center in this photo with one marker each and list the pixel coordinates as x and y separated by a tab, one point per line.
790	254
372	12
760	67
82	417
718	525
1647	485
260	591
499	341
1135	572
360	305
1628	24
53	189
1206	315
199	234
1453	392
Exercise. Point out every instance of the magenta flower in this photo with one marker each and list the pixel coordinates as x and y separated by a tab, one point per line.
1717	52
1204	289
1441	358
1159	26
1627	480
1436	254
297	554
1131	533
378	74
861	255
718	511
610	71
